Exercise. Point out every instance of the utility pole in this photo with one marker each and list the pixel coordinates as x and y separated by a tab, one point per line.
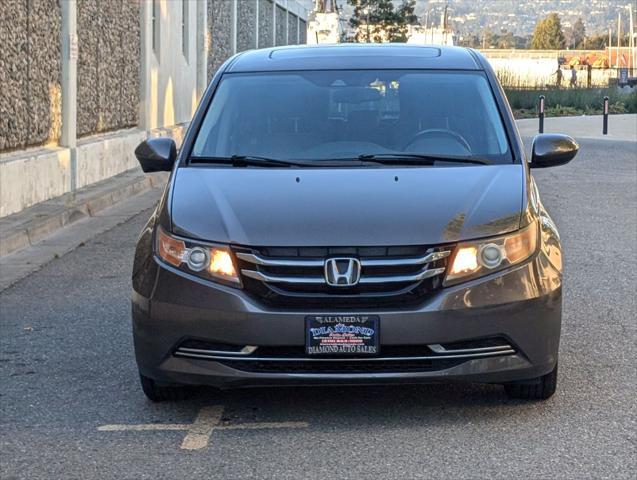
632	40
68	82
610	47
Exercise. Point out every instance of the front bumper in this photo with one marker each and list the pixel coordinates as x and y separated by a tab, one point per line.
522	305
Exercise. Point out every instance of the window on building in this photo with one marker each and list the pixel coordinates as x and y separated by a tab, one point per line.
155	20
184	28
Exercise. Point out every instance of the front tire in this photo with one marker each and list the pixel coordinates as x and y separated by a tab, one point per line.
540	388
161	393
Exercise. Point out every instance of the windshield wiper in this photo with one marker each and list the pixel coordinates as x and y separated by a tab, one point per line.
419	159
364	159
248	161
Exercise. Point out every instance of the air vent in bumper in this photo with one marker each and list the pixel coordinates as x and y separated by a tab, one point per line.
394	358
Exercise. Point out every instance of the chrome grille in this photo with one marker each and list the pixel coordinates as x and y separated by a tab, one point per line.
290	276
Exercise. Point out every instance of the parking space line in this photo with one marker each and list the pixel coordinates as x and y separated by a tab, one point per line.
147	426
198	432
255	426
201	429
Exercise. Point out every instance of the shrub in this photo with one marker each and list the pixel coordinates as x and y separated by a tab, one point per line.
560	102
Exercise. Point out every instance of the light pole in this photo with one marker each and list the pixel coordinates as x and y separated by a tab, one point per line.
366	12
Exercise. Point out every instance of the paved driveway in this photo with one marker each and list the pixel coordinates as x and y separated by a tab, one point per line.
69	391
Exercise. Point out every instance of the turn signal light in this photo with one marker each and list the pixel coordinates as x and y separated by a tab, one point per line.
170	249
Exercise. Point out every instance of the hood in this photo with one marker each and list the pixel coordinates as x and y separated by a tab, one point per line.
346	207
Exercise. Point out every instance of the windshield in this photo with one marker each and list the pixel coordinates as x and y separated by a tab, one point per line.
323	115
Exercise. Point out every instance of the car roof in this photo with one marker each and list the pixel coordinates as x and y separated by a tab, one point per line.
355	56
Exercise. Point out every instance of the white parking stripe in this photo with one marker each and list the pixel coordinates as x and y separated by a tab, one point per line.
198	433
146	426
255	426
200	430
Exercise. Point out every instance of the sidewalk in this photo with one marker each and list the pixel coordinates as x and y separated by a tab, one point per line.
620	127
32	238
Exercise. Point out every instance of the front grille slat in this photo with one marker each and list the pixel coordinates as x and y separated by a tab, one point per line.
275	262
295	277
263	277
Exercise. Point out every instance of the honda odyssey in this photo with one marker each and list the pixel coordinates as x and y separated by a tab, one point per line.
347	215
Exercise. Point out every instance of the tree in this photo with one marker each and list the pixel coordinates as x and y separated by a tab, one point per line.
380	21
548	34
595	42
576	35
505	40
487	39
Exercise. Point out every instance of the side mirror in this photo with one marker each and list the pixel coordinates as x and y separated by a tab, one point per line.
552	149
156	154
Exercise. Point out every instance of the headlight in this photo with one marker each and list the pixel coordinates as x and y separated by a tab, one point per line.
211	262
481	257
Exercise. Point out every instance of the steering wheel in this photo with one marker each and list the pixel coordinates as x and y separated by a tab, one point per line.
441	132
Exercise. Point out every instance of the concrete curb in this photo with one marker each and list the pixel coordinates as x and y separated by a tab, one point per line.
33	224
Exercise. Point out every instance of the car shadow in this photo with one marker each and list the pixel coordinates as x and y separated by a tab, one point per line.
365	406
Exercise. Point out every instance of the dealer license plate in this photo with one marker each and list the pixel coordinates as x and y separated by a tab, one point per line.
342	334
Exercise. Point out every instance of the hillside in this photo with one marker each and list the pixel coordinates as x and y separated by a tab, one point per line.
518	17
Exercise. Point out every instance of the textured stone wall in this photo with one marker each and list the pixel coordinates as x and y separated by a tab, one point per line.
293	29
30	92
246	24
108	68
220	25
281	24
266	13
302	32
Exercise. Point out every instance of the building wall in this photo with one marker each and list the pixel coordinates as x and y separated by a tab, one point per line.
281	26
246	24
30	92
293	29
220	25
266	26
108	67
172	76
124	89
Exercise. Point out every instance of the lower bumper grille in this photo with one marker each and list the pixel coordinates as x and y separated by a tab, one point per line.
342	366
393	359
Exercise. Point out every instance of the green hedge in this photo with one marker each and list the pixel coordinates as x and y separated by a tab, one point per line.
575	101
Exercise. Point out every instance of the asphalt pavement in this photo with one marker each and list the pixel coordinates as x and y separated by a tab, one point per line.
71	406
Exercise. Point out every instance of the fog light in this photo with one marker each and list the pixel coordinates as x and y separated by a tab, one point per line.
198	259
491	255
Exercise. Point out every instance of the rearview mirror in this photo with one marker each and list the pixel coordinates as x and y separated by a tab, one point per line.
156	154
552	149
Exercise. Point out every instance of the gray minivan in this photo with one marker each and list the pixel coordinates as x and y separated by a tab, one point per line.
348	215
